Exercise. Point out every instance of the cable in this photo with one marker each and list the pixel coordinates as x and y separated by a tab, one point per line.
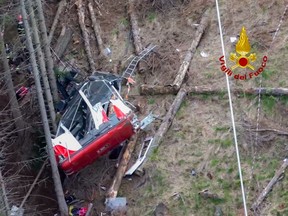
232	114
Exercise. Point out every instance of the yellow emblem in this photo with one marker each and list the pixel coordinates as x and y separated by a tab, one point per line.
243	48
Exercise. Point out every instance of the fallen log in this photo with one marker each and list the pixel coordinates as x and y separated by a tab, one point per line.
135	31
81	16
61	6
113	190
268	188
63	41
191	51
159	90
166	123
96	27
89	211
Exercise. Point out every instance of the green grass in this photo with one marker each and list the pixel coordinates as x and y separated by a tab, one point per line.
224	143
268	103
282	83
115	31
124	22
154	155
151	16
151	101
214	162
181	111
221	128
266	74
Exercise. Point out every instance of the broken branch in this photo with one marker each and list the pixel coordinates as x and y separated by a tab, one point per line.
160	134
268	188
113	190
33	184
191	51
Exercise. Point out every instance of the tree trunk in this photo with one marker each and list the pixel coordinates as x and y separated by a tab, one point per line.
81	17
268	188
55	173
113	190
135	32
63	41
61	6
162	130
14	105
42	65
96	27
4	193
47	51
191	51
159	90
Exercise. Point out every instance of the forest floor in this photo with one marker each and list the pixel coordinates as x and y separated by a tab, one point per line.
201	136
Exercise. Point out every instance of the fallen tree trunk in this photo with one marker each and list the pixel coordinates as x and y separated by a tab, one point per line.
113	190
81	17
191	51
89	211
96	27
63	41
135	32
160	134
158	90
61	7
268	188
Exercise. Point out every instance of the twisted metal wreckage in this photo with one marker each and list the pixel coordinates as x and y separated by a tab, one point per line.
97	120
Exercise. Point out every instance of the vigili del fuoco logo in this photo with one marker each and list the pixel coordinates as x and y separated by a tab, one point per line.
243	59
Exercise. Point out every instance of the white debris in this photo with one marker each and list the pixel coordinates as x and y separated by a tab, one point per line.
233	39
15	211
204	54
177	50
118	203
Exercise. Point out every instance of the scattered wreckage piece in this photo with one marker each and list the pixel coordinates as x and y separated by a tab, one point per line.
279	173
21	92
113	190
116	204
133	64
81	17
145	148
159	90
191	51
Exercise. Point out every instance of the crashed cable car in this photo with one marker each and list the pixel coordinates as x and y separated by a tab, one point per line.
96	121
